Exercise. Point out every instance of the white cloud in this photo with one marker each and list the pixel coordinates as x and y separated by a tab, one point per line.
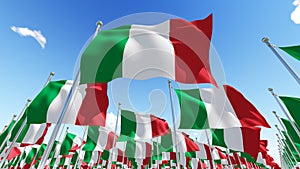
111	120
36	34
295	15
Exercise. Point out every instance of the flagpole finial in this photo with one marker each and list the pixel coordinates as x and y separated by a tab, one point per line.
5	126
14	116
276	125
274	112
52	73
28	100
270	89
265	40
99	23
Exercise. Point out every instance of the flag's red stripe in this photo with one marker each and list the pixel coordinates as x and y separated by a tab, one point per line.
191	41
159	126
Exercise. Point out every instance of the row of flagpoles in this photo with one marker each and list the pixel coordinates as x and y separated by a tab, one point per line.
289	136
230	123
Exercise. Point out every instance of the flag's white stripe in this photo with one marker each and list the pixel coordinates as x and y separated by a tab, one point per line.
233	138
202	153
195	163
146	45
143	126
56	105
140	149
102	139
181	142
219	110
75	104
34	133
94	158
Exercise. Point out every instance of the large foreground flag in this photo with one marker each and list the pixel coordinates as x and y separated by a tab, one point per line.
293	106
294	51
87	107
241	139
142	126
175	49
217	108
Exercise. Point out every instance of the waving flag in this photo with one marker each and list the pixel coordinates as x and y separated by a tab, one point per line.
175	49
217	108
87	107
294	51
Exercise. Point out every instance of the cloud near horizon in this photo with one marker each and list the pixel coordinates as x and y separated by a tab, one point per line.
295	15
36	34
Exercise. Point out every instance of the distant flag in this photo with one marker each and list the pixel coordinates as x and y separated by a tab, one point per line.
98	139
294	51
87	107
142	125
175	49
241	139
30	134
293	106
70	140
217	108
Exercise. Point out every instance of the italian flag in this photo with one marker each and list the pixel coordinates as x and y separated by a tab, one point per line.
175	49
6	132
87	107
223	107
142	126
30	134
294	51
98	139
241	139
70	141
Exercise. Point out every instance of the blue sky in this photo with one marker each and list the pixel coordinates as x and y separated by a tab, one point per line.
238	28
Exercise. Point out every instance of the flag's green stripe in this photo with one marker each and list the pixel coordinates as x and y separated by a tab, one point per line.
40	154
17	127
37	110
102	59
294	51
193	110
52	152
130	149
74	158
218	137
92	138
105	155
128	123
7	130
62	161
191	154
67	144
87	156
291	130
293	105
30	156
166	143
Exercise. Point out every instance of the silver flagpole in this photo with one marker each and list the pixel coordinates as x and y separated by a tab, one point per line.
266	41
289	137
208	142
81	146
285	111
8	134
63	111
174	125
293	155
281	144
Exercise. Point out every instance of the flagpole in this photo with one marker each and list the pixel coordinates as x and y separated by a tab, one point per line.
174	125
266	41
293	155
289	137
285	111
208	142
229	160
281	142
157	151
81	146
